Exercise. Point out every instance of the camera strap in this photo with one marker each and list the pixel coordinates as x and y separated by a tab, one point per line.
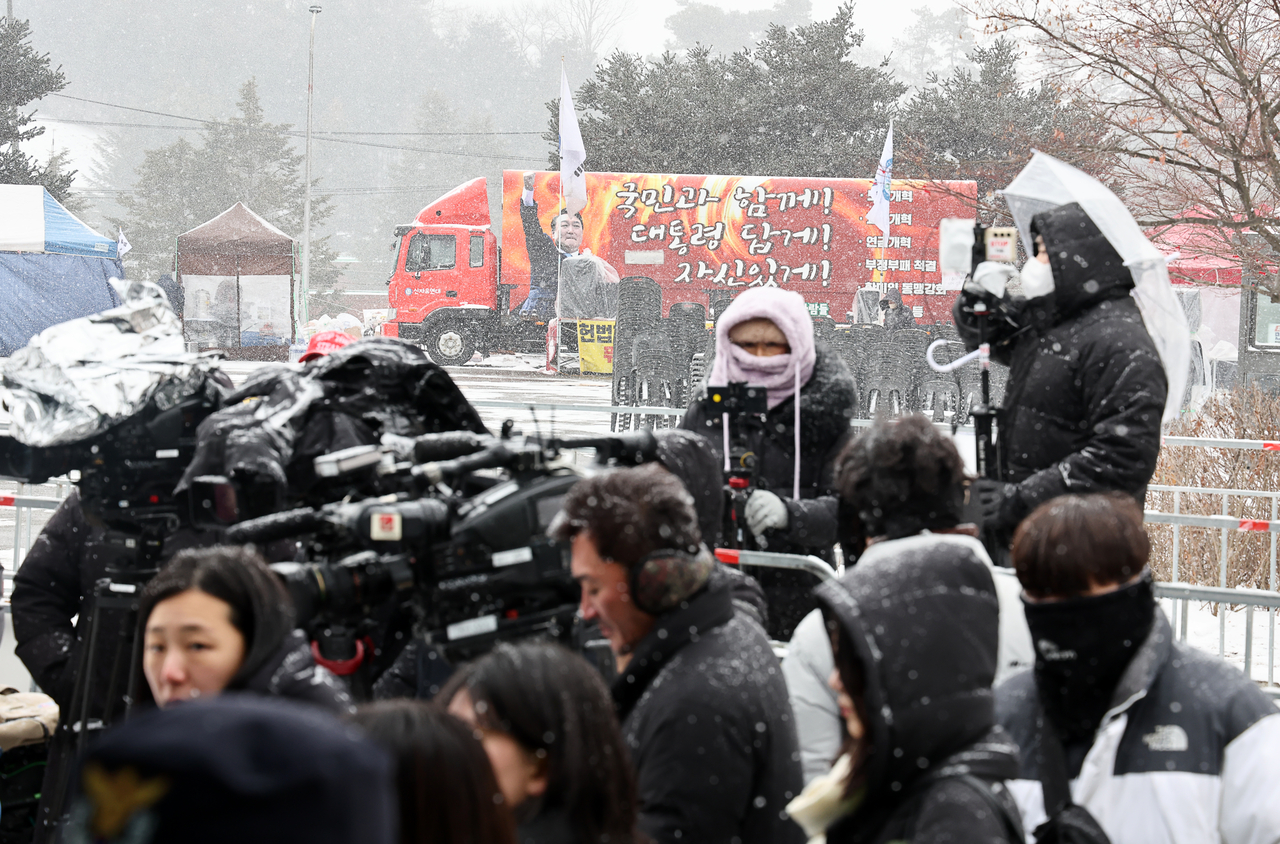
795	400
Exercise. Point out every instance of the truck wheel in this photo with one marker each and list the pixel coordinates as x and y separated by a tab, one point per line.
450	343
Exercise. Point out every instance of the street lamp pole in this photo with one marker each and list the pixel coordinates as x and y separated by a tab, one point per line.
303	316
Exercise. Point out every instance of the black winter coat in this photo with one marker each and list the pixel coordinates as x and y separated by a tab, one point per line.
924	626
705	714
551	827
1086	387
827	404
56	584
292	673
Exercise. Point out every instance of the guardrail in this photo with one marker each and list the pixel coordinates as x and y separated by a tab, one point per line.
1226	524
651	410
1250	599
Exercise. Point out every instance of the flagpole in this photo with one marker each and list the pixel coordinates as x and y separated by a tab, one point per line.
555	223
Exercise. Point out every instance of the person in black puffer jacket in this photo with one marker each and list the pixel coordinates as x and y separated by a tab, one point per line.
785	359
1086	386
699	692
914	633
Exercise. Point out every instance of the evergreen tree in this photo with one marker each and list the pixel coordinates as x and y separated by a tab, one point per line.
796	104
25	76
244	159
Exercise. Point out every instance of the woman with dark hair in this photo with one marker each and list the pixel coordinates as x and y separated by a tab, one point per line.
547	722
914	640
444	782
217	619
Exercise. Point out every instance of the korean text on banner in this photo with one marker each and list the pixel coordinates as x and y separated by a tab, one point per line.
595	346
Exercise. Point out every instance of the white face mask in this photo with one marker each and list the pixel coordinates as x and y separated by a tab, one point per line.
1037	279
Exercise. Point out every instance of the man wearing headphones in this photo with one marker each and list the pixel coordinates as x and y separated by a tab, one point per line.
699	691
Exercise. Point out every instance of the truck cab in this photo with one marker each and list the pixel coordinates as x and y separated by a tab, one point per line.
444	286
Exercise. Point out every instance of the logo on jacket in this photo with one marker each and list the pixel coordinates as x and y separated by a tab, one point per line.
1052	653
1167	737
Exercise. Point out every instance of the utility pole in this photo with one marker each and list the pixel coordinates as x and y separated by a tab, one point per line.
303	317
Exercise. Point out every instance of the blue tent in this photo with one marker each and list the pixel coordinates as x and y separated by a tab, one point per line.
52	266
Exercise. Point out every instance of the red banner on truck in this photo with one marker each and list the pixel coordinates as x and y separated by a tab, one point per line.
703	238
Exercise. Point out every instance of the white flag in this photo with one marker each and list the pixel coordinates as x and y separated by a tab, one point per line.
573	156
122	244
880	191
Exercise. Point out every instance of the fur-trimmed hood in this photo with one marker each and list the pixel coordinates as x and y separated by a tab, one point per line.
828	401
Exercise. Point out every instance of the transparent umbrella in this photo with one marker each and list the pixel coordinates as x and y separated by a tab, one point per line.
1046	183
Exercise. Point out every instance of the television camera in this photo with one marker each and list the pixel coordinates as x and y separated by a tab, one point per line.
458	541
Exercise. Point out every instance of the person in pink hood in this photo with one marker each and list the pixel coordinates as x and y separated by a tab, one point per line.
765	338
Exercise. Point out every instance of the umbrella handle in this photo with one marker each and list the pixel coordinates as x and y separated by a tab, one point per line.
948	367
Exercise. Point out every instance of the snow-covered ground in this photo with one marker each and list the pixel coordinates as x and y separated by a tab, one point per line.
504	387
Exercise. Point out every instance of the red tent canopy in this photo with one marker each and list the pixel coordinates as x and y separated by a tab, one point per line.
234	243
1205	255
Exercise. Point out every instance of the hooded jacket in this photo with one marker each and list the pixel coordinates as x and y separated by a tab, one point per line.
924	623
826	406
293	673
808	664
704	713
898	316
1187	752
1086	387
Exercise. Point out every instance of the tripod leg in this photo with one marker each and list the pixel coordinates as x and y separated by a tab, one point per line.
65	745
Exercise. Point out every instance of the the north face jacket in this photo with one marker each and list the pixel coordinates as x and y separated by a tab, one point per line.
1189	752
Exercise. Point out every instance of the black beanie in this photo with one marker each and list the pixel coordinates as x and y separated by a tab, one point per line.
237	767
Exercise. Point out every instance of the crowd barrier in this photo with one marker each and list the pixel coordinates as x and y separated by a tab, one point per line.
23	507
1250	599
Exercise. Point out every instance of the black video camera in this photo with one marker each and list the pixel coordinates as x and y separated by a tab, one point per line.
127	473
470	568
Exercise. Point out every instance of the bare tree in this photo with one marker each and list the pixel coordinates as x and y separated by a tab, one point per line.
1188	93
592	23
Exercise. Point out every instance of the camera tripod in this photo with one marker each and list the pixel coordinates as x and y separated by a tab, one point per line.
118	592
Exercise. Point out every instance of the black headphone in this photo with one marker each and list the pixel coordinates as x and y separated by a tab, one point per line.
664	579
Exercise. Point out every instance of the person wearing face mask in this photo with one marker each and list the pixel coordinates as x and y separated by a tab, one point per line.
896	314
217	619
1157	741
1086	388
699	692
765	338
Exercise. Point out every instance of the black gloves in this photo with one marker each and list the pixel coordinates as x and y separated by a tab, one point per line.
999	504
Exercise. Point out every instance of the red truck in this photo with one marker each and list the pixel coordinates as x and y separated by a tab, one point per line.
700	238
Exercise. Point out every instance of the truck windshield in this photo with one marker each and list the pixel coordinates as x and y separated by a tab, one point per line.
431	252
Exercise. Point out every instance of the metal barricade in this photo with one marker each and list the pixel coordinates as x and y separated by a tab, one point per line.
1226	525
23	507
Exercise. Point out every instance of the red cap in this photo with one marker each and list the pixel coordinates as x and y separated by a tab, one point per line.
325	342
